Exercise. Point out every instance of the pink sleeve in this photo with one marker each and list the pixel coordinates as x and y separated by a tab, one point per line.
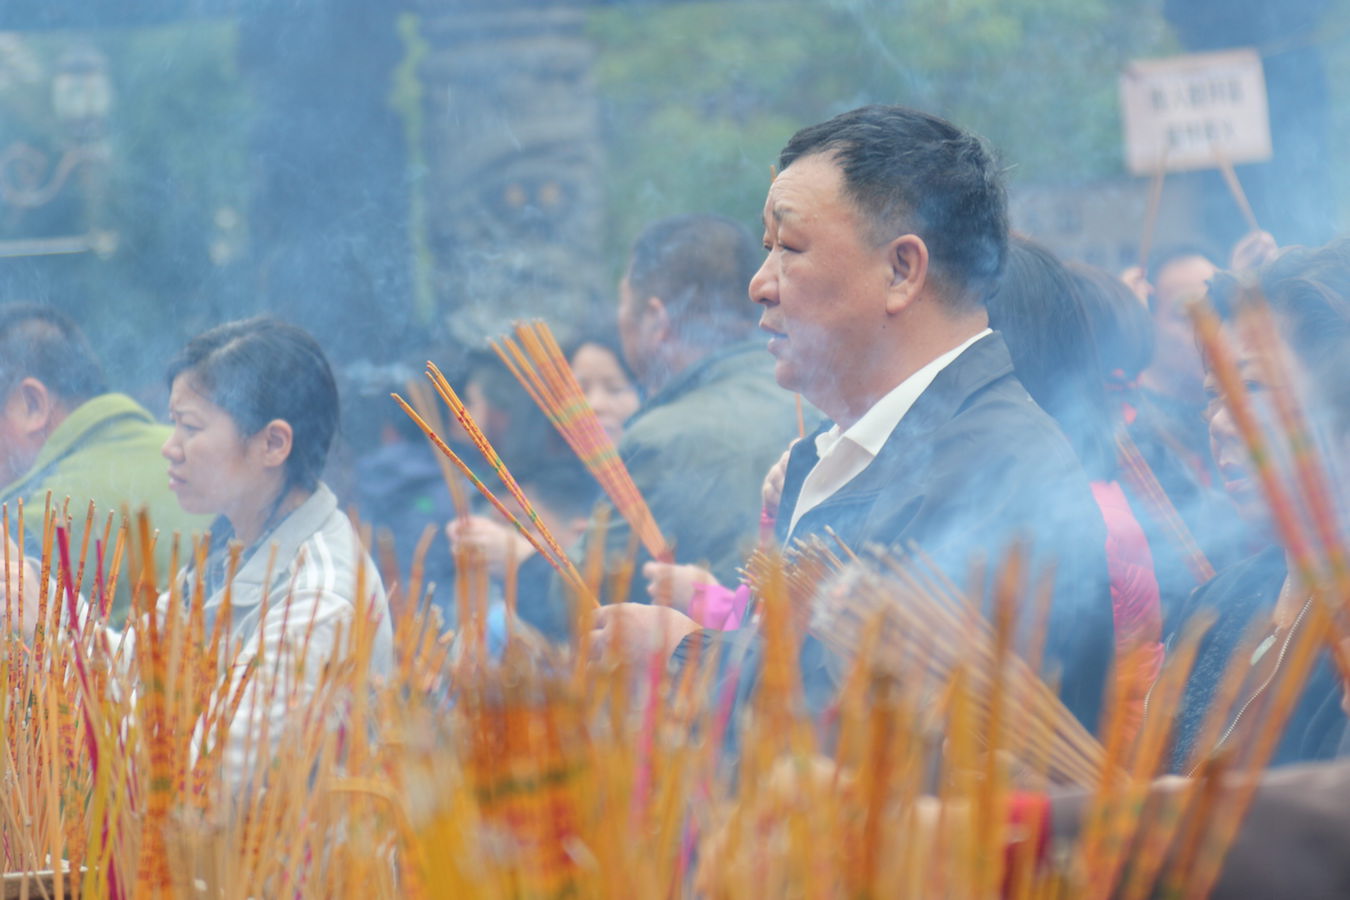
1135	604
1134	587
717	607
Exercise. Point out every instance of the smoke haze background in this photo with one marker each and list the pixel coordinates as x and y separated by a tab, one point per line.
405	178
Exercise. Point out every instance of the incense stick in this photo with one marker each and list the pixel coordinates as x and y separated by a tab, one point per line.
533	356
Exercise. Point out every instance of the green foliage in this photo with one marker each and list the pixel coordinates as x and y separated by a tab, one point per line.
699	97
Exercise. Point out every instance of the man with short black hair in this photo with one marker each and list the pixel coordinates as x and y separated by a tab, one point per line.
886	231
62	431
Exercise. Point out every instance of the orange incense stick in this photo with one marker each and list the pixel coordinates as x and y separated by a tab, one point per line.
538	363
560	561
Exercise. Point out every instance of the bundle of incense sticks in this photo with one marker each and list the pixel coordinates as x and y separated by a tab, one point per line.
909	609
424	401
537	533
513	778
535	359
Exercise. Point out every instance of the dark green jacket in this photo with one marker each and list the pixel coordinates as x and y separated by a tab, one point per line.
107	450
698	451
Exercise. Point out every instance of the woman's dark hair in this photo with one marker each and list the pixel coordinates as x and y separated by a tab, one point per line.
1039	313
262	369
1121	326
1308	289
595	335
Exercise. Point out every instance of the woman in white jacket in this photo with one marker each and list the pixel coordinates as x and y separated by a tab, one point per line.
254	408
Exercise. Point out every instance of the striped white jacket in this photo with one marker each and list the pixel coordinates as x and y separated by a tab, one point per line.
311	591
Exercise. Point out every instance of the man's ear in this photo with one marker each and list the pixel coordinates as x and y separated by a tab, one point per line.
277	439
656	318
34	404
908	256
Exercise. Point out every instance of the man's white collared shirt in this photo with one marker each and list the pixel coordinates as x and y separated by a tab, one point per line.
842	456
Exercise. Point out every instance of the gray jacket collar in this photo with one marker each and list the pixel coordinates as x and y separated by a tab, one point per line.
287	537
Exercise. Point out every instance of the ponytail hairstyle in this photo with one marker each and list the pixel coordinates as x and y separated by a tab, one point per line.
262	369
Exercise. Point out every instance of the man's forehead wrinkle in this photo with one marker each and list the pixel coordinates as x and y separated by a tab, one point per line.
784	210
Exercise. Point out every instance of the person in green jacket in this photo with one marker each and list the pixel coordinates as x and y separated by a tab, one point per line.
714	419
63	432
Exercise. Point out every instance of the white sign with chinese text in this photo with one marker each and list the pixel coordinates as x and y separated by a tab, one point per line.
1188	112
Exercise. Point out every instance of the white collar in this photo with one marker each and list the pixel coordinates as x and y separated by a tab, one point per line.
874	428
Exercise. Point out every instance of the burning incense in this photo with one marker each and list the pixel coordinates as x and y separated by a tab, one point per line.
424	401
531	774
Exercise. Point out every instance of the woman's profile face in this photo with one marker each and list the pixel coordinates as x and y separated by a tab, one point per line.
606	387
213	469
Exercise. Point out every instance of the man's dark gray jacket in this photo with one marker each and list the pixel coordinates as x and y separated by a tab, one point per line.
973	465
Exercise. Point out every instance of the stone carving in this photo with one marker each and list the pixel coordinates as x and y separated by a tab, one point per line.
513	194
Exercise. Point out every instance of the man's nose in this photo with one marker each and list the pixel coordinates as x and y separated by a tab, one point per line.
763	286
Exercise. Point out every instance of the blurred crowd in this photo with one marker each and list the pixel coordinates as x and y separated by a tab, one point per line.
931	378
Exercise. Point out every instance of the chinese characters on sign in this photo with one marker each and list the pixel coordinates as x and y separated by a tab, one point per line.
1188	112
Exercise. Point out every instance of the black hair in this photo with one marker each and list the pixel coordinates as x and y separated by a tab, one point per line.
262	369
37	341
699	266
606	338
564	486
908	171
1040	315
1308	289
519	430
1119	321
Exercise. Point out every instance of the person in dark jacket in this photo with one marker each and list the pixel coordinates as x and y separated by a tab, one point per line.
1042	313
1168	423
1294	841
885	232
